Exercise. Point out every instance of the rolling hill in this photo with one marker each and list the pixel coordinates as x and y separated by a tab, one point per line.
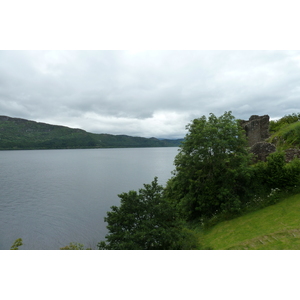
19	134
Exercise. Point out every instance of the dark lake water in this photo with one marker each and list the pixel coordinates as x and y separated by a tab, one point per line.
50	198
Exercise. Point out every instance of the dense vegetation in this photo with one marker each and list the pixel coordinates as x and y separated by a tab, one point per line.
215	180
145	221
211	168
23	134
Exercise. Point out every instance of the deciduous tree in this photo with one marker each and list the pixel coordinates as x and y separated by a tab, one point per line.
144	221
211	167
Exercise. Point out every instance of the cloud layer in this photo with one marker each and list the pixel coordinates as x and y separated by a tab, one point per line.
146	93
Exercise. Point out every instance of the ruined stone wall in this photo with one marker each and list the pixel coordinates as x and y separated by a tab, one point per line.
256	128
291	153
257	131
262	150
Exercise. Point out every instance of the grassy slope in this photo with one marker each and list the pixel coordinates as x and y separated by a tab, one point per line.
272	228
287	136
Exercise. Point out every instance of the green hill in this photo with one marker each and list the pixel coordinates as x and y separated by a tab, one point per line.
18	134
287	136
285	132
276	227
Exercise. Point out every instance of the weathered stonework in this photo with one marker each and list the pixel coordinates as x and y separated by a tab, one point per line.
291	153
256	128
257	131
261	150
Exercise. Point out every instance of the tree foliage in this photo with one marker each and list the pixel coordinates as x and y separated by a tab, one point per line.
211	172
17	243
276	173
74	246
145	221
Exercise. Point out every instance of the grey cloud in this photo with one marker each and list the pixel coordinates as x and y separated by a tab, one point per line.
147	93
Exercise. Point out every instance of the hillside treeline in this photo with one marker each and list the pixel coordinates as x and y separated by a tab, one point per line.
19	134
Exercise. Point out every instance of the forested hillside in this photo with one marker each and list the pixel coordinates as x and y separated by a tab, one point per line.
18	133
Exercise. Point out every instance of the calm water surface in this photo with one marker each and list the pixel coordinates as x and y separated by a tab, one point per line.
50	198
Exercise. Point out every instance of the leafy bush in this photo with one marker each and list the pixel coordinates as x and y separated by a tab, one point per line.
17	243
145	221
74	246
276	173
188	240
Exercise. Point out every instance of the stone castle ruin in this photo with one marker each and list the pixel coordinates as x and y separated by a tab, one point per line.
257	132
257	129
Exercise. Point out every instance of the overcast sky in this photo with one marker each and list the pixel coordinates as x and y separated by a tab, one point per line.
150	93
146	93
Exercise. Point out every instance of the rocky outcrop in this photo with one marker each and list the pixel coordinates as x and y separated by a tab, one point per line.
256	128
291	153
261	150
257	131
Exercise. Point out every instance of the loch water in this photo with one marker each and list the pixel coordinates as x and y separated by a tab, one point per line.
50	198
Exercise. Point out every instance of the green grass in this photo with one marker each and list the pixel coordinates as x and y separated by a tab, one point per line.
288	136
275	227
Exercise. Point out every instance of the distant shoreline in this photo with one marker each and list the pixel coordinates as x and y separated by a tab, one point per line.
22	134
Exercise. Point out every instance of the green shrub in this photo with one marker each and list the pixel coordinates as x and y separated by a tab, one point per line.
188	240
74	246
145	220
17	243
276	173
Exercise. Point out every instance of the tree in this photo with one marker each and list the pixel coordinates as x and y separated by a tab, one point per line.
144	221
211	168
17	243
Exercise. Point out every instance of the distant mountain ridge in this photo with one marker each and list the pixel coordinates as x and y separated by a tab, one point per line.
18	134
